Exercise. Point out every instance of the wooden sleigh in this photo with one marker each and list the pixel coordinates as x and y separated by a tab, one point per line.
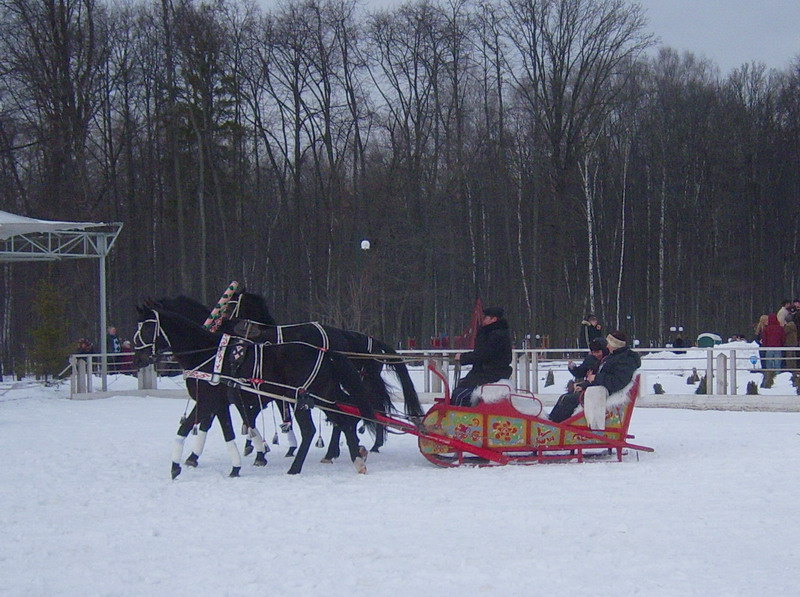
514	431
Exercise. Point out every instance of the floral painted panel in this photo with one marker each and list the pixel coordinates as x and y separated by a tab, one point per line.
505	432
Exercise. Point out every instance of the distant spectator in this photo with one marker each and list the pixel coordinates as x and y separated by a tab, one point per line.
112	347
126	358
85	346
773	336
759	330
590	329
112	341
679	343
784	312
790	356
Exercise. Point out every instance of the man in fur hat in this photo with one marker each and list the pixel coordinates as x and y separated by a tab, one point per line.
615	372
491	359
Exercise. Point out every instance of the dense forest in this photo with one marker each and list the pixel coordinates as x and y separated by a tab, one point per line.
545	156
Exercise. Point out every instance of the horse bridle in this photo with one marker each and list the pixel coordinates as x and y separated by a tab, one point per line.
138	338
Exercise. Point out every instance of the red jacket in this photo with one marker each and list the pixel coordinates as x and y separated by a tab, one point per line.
773	334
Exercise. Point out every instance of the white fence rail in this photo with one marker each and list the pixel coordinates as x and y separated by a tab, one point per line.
722	367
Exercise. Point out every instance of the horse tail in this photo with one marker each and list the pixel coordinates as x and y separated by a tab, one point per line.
411	401
350	380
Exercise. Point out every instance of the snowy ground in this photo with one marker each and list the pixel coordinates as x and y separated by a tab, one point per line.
87	507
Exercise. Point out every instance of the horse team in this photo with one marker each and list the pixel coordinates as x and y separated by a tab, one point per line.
251	361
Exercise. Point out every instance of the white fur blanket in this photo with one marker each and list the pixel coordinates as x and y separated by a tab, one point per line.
492	392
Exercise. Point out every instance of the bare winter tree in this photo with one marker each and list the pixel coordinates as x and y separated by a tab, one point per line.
566	66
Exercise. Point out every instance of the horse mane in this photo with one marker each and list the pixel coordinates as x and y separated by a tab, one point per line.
253	306
186	306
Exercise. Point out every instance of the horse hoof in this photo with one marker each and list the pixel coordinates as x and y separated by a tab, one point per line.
361	466
290	452
326	461
260	459
248	449
375	449
235	471
192	460
176	470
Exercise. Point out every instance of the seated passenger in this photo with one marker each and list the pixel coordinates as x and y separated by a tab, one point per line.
491	359
597	352
614	373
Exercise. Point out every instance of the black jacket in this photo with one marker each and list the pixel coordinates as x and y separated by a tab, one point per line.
588	333
491	359
617	369
590	363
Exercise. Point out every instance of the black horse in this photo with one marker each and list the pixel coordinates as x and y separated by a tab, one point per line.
211	401
250	316
295	370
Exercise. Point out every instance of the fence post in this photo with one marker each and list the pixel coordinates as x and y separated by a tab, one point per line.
709	371
535	371
734	383
437	382
146	377
526	370
80	386
73	381
722	373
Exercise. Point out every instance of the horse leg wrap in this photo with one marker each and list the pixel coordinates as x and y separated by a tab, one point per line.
292	438
361	466
177	449
200	443
258	440
233	452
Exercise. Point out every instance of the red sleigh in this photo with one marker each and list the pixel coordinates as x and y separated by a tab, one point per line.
513	430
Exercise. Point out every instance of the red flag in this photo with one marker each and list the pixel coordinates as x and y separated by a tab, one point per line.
467	339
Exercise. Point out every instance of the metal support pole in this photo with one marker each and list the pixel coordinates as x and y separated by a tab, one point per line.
102	243
535	371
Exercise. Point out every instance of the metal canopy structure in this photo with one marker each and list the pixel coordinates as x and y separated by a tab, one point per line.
30	239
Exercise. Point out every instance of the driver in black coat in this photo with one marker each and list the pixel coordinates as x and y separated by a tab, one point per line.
491	359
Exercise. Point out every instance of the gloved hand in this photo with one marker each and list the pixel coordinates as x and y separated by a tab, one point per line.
286	427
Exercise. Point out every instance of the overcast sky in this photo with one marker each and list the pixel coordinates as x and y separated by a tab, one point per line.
729	32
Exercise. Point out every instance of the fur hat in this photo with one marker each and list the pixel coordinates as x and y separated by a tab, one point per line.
616	339
493	312
597	344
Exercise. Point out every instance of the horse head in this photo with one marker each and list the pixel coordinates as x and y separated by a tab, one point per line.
150	340
253	307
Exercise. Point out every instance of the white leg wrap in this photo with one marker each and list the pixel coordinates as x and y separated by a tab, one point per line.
233	451
177	449
200	442
594	407
292	438
258	440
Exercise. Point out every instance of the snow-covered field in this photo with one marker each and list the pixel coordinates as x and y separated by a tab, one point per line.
87	507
